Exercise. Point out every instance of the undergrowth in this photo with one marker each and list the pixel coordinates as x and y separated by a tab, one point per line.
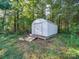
35	51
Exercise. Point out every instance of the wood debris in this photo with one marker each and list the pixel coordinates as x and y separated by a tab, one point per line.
29	39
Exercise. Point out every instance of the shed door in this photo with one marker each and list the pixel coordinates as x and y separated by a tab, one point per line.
38	29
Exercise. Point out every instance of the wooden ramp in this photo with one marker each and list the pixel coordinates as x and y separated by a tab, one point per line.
29	39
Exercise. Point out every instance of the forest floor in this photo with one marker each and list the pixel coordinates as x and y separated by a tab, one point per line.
54	48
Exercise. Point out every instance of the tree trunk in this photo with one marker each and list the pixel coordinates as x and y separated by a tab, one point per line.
17	16
3	23
15	26
59	25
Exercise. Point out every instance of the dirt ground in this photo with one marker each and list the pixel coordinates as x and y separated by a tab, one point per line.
39	47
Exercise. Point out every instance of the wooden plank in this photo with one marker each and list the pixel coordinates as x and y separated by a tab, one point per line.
29	39
2	52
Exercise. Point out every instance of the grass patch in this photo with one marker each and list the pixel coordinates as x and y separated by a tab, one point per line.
59	47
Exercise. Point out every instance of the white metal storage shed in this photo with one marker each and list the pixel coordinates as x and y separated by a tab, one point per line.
44	27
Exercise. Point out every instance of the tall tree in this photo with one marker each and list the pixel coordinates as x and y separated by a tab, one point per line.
4	5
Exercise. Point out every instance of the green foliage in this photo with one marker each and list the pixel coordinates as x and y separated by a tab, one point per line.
20	16
8	42
5	4
74	27
70	40
24	23
36	50
63	13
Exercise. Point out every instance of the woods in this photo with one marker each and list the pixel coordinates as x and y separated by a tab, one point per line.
20	14
16	22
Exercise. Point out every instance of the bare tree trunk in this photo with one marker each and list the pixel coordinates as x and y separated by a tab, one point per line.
15	26
3	23
17	16
59	25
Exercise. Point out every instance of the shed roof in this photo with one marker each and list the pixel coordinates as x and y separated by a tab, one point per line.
39	20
